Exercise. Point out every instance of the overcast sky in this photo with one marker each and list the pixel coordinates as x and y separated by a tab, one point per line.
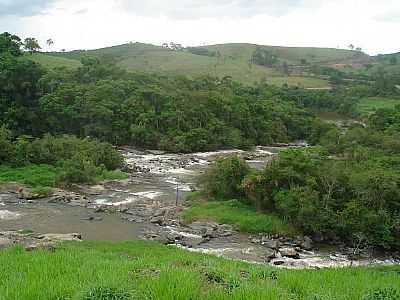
373	25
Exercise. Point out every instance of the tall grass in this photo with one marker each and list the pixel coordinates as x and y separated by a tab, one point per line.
151	271
33	175
245	218
42	177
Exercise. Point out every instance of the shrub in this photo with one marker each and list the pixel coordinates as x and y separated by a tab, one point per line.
224	178
6	147
107	293
383	294
79	169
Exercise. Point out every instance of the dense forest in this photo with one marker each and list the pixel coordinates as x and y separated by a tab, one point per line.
178	114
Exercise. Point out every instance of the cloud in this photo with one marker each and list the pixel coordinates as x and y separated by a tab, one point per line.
195	9
391	16
81	11
23	7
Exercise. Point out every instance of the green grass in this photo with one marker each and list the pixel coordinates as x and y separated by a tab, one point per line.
149	270
51	61
243	217
234	61
43	177
37	176
371	104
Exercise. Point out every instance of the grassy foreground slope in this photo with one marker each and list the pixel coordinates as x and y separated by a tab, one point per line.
233	61
147	270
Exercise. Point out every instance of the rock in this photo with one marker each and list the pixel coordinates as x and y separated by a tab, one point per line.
157	220
211	229
204	228
278	262
269	255
66	197
273	244
156	152
5	242
48	246
124	210
27	194
92	218
192	242
160	213
56	237
12	187
224	230
162	237
306	244
255	241
289	252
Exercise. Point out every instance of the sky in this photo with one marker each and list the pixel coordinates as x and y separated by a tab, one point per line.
373	25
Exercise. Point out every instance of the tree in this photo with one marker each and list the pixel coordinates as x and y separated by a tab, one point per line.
32	45
10	43
49	42
351	47
285	68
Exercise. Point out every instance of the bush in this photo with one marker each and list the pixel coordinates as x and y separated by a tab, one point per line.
6	147
79	169
52	150
41	160
106	293
223	179
383	294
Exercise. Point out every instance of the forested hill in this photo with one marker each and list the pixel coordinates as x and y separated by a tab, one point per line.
247	63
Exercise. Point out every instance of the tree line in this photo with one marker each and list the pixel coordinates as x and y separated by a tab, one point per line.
177	114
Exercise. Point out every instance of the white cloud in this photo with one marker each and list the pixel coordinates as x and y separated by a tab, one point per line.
192	9
77	24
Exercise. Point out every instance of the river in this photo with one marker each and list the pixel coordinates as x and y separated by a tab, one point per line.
133	209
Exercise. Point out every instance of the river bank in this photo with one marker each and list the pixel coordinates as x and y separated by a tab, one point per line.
149	204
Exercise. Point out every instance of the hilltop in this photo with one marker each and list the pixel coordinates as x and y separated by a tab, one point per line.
247	63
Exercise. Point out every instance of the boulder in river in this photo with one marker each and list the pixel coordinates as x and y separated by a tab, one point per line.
27	194
289	252
157	220
273	244
211	229
306	244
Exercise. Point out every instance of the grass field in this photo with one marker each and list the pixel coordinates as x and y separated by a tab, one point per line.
234	61
32	175
369	105
52	61
45	176
147	270
243	217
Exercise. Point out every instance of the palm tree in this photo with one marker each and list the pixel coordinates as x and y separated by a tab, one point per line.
50	42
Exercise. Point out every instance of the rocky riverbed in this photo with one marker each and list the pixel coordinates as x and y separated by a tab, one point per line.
148	206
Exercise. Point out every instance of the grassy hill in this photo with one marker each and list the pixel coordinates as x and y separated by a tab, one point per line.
232	60
49	61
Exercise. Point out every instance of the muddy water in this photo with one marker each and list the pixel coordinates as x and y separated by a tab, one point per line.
161	180
43	217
